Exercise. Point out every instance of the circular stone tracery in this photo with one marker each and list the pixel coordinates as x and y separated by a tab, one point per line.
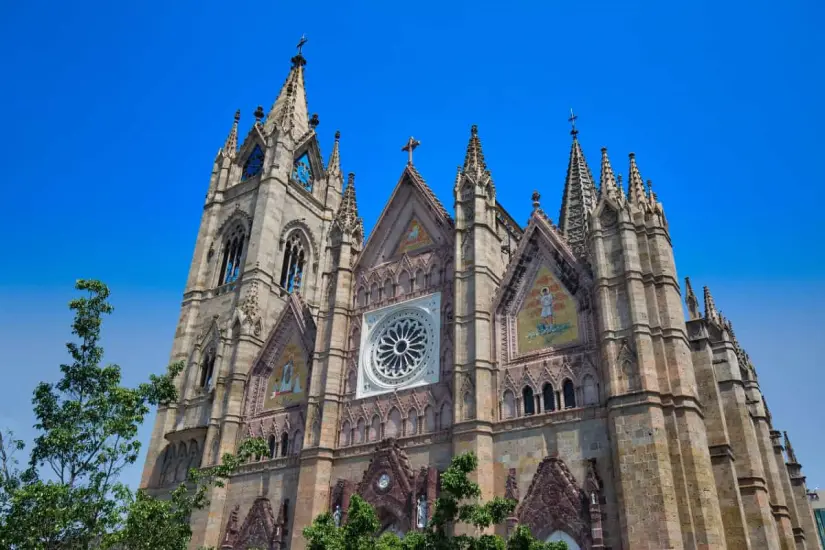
401	346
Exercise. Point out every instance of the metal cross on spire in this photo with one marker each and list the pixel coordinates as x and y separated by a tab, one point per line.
301	43
572	121
412	143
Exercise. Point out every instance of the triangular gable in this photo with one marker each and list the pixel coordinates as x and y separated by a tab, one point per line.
280	374
412	199
542	290
388	484
258	529
308	162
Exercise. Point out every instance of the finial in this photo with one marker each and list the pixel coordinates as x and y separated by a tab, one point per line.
412	143
536	197
301	43
299	59
351	180
474	129
259	113
572	121
337	135
314	122
691	301
237	115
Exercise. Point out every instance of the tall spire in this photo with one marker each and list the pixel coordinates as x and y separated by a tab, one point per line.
474	164
789	450
691	301
334	164
289	112
711	313
347	215
607	180
579	196
230	146
636	186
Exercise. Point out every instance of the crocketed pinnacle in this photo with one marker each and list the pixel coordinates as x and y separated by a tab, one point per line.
789	450
474	165
334	164
578	199
691	301
607	180
636	186
289	112
347	215
711	313
230	146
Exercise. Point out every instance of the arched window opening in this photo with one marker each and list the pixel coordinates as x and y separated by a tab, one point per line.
292	271
429	419
284	444
254	164
232	255
412	422
375	428
388	289
508	405
207	370
569	394
360	432
273	447
374	297
529	401
393	427
344	437
548	398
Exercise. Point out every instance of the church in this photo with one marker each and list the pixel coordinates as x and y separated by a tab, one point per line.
559	352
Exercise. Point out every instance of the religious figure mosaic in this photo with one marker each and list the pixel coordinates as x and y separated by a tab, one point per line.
414	238
548	315
287	382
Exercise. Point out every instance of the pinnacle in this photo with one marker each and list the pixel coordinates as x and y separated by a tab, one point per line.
334	164
636	186
347	215
711	313
607	180
789	450
289	112
691	301
474	164
230	146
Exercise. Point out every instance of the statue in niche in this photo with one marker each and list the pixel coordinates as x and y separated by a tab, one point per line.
336	515
422	512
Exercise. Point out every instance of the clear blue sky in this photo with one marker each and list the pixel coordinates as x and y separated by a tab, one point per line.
113	112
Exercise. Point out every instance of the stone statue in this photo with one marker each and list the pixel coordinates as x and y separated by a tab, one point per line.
422	512
336	515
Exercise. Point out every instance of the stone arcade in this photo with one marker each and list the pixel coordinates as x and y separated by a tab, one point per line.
559	354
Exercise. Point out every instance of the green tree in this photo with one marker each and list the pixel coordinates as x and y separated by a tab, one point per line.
70	496
458	503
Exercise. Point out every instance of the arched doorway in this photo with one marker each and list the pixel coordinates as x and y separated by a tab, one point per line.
557	536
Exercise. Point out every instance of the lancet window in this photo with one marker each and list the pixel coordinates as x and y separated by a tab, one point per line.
207	369
232	254
529	401
549	397
295	256
254	164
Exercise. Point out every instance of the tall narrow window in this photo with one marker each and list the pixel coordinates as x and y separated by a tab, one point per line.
284	444
292	270
302	172
273	447
569	394
254	164
548	398
232	254
529	401
207	369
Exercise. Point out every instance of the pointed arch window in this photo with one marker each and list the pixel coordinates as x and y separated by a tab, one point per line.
548	398
207	369
292	270
284	444
254	164
232	254
569	394
273	447
529	401
302	172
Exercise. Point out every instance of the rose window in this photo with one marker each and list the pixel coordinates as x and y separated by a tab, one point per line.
400	347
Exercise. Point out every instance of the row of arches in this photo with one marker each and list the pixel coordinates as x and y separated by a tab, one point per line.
396	425
550	399
284	446
406	282
178	459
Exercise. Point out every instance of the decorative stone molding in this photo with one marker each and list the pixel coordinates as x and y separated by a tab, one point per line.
261	529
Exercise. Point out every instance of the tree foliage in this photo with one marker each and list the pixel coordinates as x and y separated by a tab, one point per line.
458	502
69	496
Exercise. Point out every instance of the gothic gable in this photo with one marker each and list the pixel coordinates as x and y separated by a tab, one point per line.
260	530
280	375
543	302
308	166
413	221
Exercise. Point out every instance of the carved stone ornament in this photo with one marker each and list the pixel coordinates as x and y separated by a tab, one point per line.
511	486
249	306
260	529
555	502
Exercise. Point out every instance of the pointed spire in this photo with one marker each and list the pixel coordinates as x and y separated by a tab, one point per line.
636	186
579	196
289	112
334	164
230	146
691	301
347	215
711	313
789	450
607	181
474	158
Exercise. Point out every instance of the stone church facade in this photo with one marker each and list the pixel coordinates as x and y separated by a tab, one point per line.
558	353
